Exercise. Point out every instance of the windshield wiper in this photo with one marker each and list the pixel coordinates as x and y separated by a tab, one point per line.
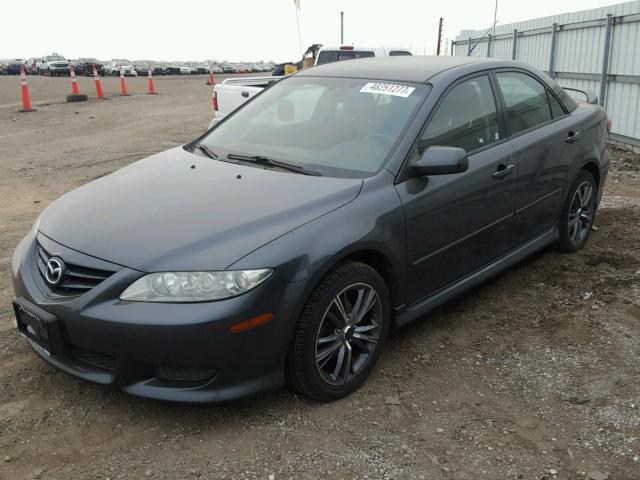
268	161
204	149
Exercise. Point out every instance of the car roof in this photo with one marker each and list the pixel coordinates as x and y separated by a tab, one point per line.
417	69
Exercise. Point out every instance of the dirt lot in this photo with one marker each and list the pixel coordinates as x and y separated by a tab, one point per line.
535	375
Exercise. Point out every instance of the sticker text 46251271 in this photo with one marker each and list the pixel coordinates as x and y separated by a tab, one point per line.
388	89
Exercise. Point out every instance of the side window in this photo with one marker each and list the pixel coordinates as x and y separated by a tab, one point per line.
556	108
525	99
398	53
466	118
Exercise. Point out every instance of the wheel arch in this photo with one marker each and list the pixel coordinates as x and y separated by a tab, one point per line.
593	168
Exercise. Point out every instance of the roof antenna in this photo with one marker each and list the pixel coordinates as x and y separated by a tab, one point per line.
492	27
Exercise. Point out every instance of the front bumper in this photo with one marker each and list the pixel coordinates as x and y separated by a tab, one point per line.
175	352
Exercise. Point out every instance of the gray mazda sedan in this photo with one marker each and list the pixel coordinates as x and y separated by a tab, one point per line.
287	242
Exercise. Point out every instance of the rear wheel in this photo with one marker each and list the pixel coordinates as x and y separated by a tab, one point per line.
578	213
340	333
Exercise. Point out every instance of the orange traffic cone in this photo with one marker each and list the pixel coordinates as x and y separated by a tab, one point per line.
26	101
98	84
74	80
211	80
152	87
123	84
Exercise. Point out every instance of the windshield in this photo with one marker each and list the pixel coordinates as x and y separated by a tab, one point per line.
334	126
55	58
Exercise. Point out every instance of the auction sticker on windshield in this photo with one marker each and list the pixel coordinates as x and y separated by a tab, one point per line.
388	89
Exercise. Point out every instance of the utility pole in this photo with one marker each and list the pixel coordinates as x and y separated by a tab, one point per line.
341	28
495	18
439	36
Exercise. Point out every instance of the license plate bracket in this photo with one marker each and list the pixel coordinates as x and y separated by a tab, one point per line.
38	325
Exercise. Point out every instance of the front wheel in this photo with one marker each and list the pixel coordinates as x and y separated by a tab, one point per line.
578	213
340	333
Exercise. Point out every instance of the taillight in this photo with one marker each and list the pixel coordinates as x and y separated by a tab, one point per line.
609	125
215	101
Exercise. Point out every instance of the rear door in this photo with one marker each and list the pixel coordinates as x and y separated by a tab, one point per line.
456	224
545	140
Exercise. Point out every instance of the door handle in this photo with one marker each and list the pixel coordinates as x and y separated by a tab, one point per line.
245	94
572	136
503	170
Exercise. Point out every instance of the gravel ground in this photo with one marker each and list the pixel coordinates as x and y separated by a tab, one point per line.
532	376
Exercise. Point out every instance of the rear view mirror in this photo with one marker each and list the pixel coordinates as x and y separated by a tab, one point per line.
285	110
441	161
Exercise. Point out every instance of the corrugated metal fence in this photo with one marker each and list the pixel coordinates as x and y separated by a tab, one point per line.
596	50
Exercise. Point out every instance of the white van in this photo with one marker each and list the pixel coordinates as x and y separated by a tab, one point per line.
350	52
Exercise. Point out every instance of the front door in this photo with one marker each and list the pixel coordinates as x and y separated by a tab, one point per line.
456	224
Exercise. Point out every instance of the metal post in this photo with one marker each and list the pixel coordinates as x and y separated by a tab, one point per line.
489	38
341	28
605	59
439	37
514	49
552	55
453	44
468	46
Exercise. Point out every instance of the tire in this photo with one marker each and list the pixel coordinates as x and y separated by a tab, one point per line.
77	98
323	340
577	214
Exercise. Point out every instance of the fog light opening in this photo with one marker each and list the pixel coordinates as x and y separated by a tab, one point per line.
251	323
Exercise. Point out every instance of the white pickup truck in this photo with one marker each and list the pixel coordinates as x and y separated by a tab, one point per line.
233	92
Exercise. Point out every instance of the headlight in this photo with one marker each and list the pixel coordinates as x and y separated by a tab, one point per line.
176	287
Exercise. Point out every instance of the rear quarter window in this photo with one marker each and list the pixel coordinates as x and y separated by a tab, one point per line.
397	53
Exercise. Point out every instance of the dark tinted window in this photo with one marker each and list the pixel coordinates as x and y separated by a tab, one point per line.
556	108
328	56
525	99
397	53
466	118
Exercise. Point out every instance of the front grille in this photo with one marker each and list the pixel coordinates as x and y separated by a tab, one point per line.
95	359
76	279
184	374
60	65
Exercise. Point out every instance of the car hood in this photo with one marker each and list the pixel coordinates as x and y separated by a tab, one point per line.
180	211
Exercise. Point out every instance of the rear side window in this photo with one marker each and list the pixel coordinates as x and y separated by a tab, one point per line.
466	118
397	53
525	99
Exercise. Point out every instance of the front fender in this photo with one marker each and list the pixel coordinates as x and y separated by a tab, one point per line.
373	222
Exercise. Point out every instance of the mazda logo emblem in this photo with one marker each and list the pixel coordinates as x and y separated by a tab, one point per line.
55	270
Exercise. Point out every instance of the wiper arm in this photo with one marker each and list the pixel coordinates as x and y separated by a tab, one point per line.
204	149
262	160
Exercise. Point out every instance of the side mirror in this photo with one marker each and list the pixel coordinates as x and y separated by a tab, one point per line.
441	161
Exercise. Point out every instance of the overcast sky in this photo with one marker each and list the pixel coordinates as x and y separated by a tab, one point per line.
246	30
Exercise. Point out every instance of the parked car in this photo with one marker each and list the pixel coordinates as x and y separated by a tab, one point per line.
14	66
3	68
114	69
31	66
228	68
172	70
141	70
233	92
53	65
216	69
184	70
351	52
160	70
84	67
386	187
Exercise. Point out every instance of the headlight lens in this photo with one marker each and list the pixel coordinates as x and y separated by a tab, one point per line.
176	287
